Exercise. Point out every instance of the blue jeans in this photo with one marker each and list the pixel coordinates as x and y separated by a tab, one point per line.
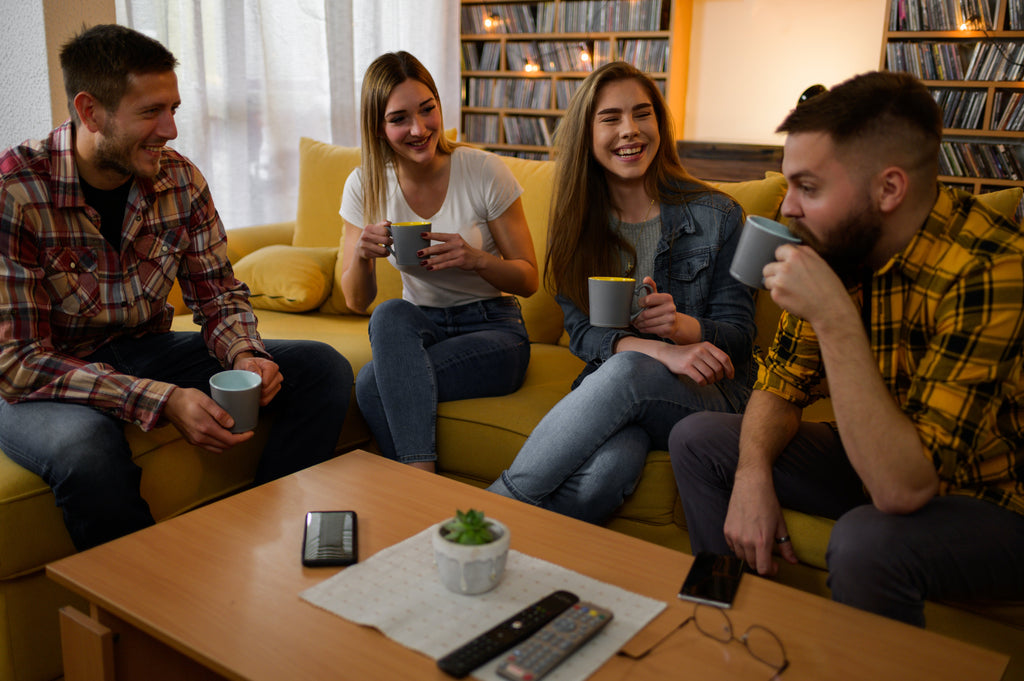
83	455
426	355
954	548
586	455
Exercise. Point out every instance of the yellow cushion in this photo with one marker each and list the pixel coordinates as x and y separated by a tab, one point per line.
288	278
758	197
323	169
542	315
1004	201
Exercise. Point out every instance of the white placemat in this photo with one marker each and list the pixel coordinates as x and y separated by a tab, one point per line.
397	590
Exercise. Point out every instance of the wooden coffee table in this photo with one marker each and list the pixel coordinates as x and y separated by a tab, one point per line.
215	593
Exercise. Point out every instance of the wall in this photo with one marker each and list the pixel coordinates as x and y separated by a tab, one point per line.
24	82
751	59
31	103
64	19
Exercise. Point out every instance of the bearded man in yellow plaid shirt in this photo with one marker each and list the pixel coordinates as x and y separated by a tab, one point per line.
909	297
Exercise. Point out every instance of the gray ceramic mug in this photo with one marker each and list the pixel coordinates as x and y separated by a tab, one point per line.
758	241
238	392
407	241
611	300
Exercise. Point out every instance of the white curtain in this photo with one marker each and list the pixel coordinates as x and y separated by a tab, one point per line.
255	75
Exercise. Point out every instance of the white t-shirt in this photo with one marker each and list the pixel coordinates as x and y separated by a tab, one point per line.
480	188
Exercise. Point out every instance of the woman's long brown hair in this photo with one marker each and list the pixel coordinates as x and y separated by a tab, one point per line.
581	242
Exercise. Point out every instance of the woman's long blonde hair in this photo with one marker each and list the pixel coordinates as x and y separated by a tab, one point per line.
387	72
581	242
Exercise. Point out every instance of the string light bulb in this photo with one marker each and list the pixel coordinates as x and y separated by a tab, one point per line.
490	21
530	67
972	23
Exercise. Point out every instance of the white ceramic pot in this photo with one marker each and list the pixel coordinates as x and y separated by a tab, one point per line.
471	569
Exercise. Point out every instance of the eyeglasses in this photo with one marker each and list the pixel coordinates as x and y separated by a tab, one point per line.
761	643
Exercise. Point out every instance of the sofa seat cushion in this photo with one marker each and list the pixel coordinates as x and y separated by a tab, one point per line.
810	535
175	478
478	438
31	527
654	500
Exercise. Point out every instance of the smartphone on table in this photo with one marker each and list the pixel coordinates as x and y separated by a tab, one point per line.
330	538
713	579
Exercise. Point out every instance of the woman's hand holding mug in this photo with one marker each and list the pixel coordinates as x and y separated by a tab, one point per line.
451	250
374	241
658	315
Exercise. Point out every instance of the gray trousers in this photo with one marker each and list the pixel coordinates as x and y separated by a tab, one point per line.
954	548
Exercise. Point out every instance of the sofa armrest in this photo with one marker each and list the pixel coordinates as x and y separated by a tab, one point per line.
245	240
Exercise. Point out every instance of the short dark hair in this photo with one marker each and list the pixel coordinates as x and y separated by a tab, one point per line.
887	107
99	60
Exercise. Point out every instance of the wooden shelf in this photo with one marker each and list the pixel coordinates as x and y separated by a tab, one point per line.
952	35
604	35
522	123
986	139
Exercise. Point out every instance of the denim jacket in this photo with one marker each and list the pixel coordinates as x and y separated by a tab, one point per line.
698	240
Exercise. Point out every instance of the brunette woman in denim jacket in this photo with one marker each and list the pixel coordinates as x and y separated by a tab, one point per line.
625	206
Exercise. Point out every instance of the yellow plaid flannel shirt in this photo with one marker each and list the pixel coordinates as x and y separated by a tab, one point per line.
947	330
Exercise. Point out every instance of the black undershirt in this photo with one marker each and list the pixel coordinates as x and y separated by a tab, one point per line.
110	204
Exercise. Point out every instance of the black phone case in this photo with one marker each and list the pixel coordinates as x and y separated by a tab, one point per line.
713	579
330	538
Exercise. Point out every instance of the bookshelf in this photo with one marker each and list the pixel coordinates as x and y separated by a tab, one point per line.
522	62
970	54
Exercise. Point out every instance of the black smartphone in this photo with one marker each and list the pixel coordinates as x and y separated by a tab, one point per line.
713	579
330	538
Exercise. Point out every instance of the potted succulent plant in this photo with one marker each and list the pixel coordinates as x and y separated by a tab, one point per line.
470	551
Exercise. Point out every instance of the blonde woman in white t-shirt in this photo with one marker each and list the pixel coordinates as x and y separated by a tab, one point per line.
455	334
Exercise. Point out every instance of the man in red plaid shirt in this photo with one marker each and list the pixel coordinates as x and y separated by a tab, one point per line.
97	221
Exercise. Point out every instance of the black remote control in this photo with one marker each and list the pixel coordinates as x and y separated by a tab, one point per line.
497	640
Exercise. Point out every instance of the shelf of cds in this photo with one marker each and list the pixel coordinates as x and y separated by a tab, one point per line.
970	53
523	61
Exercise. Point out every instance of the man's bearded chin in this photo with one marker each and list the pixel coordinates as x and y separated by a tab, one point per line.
114	152
850	244
114	164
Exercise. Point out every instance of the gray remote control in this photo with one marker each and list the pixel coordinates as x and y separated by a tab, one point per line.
559	639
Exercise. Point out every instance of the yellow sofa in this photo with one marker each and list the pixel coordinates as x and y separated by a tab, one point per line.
292	269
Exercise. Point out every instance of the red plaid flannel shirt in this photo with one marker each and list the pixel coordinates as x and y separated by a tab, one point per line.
64	292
